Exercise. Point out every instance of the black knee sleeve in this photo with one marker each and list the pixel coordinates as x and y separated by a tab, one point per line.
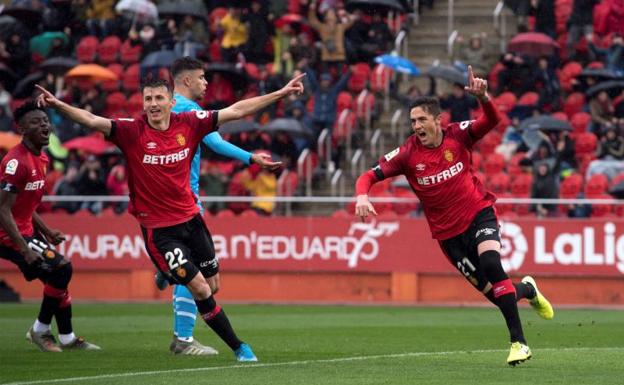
491	263
60	277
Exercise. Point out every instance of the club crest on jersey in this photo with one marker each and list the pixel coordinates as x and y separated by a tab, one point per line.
33	173
420	167
448	155
392	154
181	272
150	145
181	139
11	167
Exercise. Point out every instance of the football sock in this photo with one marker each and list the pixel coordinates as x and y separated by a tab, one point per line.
524	290
39	327
49	305
215	317
67	338
184	313
64	318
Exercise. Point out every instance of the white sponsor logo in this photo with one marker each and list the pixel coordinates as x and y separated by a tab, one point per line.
36	185
360	244
102	246
151	145
11	167
392	154
166	159
442	176
486	231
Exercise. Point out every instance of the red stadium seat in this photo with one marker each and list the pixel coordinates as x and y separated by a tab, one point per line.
290	185
572	185
108	49
344	126
505	101
568	73
493	164
115	103
573	103
380	78
602	210
498	183
129	54
596	185
131	78
113	85
521	185
135	104
580	122
560	115
345	100
528	99
364	104
357	81
476	160
87	48
404	208
493	75
504	209
225	214
585	143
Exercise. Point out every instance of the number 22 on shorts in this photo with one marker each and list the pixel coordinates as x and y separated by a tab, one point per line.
175	258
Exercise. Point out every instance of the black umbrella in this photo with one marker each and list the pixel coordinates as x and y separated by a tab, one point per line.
598	73
449	73
58	65
612	87
292	127
375	5
238	126
26	86
546	123
159	59
7	76
10	25
236	75
618	190
28	16
183	8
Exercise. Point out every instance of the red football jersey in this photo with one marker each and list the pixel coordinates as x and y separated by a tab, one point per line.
23	173
159	165
451	195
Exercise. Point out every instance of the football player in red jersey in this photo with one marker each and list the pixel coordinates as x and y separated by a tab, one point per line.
24	237
459	210
159	147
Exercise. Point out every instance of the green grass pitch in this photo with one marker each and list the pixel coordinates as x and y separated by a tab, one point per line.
322	345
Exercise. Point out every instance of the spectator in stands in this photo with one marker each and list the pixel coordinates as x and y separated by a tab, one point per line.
331	32
512	140
325	97
516	76
283	62
378	39
459	103
545	186
235	35
117	184
303	51
295	109
266	84
213	182
260	31
547	83
602	112
67	185
101	17
219	93
6	122
475	53
580	23
356	38
611	146
90	181
521	9
283	146
16	54
564	146
260	183
545	20
613	56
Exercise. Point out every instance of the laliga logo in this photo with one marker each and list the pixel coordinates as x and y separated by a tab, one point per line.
513	246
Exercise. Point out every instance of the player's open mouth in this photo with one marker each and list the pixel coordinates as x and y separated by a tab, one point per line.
45	133
422	135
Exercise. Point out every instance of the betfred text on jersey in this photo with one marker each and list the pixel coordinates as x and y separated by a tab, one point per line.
166	159
33	186
442	176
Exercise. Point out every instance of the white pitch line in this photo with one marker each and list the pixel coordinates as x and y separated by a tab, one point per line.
289	363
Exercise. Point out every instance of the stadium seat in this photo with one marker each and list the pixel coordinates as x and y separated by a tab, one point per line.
601	210
505	102
596	185
249	213
569	72
344	126
86	49
404	208
445	118
342	213
129	54
498	183
493	164
310	105
574	103
135	104
289	187
572	185
476	160
225	213
493	75
357	81
115	103
560	115
580	122
131	78
585	143
528	99
364	105
344	100
380	78
108	49
504	209
113	85
521	185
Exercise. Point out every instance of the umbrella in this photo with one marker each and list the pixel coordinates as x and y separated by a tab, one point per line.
238	126
183	8
600	73
26	86
612	87
618	190
293	127
10	25
7	76
42	43
93	144
92	72
27	15
545	122
236	75
142	8
449	73
159	59
533	44
58	65
8	140
375	5
398	63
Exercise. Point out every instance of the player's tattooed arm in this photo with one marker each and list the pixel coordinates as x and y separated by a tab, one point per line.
7	200
78	115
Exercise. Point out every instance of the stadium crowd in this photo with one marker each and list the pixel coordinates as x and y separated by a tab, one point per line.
572	77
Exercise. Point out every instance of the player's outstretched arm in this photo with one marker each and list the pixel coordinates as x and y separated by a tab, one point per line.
250	106
491	117
216	143
78	115
363	207
7	222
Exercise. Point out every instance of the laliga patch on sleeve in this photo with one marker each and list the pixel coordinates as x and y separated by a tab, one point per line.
392	154
11	167
201	114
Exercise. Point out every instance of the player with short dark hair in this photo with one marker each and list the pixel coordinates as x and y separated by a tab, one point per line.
24	237
159	147
459	210
189	86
